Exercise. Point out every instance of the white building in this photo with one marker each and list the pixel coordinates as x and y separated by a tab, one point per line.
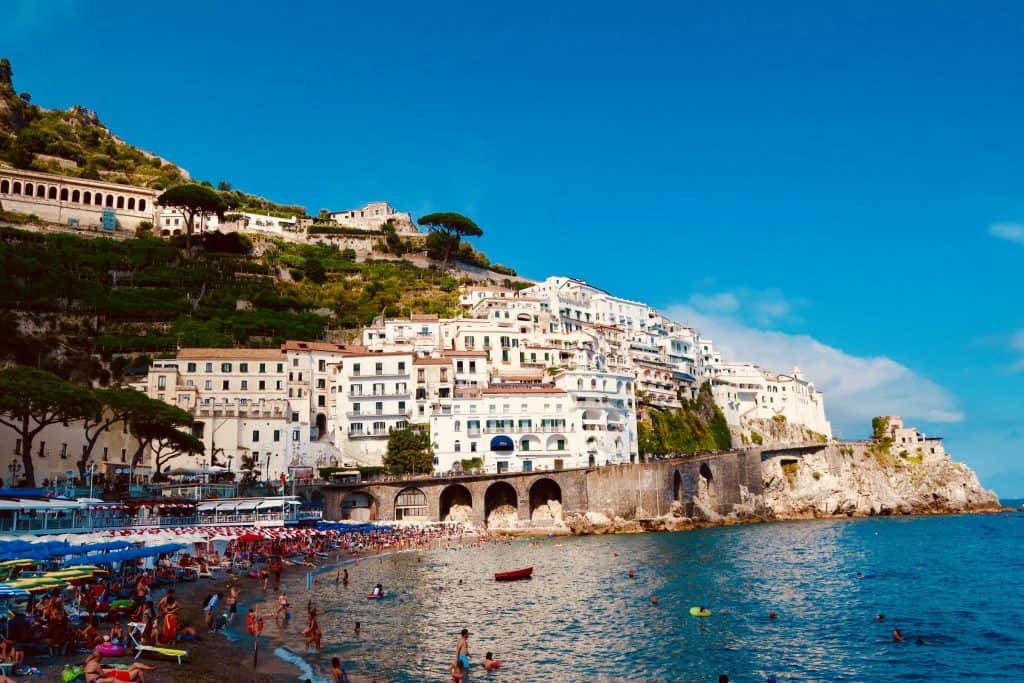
373	216
171	221
745	393
239	402
374	396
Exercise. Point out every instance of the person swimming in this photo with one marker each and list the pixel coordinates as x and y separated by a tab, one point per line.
378	590
489	662
879	617
897	636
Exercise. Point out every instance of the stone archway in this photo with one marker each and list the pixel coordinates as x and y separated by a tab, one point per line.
359	506
411	503
456	504
546	501
501	506
677	486
321	426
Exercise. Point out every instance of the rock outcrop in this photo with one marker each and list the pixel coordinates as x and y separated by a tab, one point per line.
856	480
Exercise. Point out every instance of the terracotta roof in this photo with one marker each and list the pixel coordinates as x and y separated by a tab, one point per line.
311	346
431	361
244	354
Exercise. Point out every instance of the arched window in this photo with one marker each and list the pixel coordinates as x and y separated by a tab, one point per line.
458	426
28	189
142	205
5	186
120	202
131	203
87	198
41	191
110	201
17	187
98	199
53	192
76	197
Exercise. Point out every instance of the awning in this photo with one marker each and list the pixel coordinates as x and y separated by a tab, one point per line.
206	507
247	505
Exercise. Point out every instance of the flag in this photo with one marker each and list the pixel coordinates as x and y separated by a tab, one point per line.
291	476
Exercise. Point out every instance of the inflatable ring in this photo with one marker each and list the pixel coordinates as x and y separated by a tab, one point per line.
109	649
698	612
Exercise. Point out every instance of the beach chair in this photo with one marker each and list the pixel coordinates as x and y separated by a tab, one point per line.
135	631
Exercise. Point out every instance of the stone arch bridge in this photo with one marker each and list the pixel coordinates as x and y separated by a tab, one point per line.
716	482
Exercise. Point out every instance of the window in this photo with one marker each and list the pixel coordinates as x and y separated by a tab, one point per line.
277	435
243	367
208	385
355	389
401	406
378	368
472	446
295	362
263	367
295	435
379	407
226	385
255	436
458	446
355	428
401	366
524	445
280	367
560	445
321	400
245	384
379	428
321	365
161	382
209	367
356	369
279	384
225	367
191	367
262	385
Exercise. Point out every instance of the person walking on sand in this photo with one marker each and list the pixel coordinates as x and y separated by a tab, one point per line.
462	649
282	608
232	602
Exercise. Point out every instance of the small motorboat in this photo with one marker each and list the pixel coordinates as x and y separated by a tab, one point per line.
514	575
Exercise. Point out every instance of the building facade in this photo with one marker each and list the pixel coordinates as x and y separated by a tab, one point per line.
77	202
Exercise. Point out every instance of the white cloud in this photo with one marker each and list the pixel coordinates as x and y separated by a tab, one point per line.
763	307
724	302
1014	232
856	388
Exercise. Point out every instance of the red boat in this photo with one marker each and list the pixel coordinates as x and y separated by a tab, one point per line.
514	575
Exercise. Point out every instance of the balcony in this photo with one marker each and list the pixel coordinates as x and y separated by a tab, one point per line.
379	413
355	436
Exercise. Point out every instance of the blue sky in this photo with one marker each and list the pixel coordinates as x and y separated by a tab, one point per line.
827	184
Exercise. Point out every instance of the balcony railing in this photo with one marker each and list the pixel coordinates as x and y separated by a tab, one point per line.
379	413
368	435
79	522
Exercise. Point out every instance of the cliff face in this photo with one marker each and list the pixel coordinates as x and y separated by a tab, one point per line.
855	480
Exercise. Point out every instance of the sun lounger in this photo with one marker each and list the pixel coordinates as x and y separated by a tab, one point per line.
135	630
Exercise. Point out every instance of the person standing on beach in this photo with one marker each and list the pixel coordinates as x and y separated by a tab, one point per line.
232	602
277	573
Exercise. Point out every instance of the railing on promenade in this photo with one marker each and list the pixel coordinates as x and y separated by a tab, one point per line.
82	523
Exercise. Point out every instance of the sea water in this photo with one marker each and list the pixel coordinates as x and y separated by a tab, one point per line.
954	582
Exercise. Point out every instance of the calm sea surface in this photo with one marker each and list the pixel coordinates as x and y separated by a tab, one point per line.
955	582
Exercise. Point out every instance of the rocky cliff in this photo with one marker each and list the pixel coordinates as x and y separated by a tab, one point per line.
857	480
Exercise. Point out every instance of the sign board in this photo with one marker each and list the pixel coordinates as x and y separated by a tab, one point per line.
301	473
109	220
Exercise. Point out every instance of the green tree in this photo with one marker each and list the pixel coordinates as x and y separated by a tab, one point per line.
31	400
111	406
152	422
171	443
446	232
315	271
194	201
408	452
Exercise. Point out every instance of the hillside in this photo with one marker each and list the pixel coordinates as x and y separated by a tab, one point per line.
67	302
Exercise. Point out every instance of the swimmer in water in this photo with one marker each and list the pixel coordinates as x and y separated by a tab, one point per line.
772	615
378	590
879	617
356	628
489	662
897	636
